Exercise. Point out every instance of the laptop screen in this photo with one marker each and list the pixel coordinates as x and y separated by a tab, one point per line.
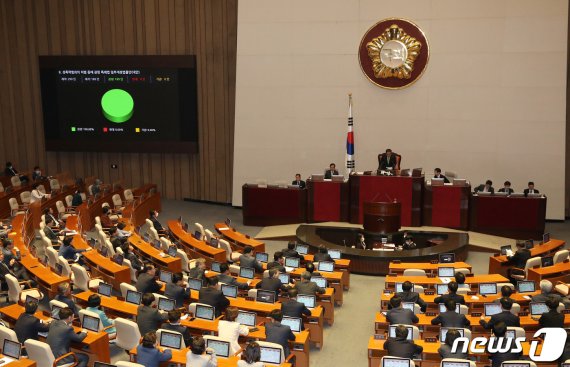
213	242
487	288
310	301
517	364
230	290
165	276
170	340
194	284
172	251
292	262
526	286
443	333
284	278
447	258
216	267
118	259
246	273
327	266
545	237
221	348
265	296
492	309
547	261
105	289
454	364
408	305
320	281
90	323
270	355
205	312
59	269
441	288
395	362
246	318
198	235
538	308
228	222
104	251
12	349
442	308
134	297
445	272
302	249
399	287
293	322
334	254
32	299
392	332
262	257
157	244
510	334
185	227
55	312
166	304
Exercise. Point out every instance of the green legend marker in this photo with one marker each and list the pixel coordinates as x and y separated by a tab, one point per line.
118	105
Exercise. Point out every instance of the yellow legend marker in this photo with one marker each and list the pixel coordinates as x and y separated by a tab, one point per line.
138	130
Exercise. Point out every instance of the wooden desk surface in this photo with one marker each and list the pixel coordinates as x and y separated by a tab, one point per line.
520	298
238	237
538	250
172	264
484	278
340	263
201	247
426	266
556	273
23	362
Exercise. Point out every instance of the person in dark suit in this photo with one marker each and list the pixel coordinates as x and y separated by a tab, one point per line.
293	308
399	315
546	292
291	252
115	239
248	260
28	326
460	279
331	171
400	346
177	290
450	318
305	286
272	283
226	278
153	216
437	174
173	324
213	297
507	188
408	295
322	255
198	270
387	161
67	251
487	187
63	295
445	349
136	262
531	189
519	258
149	318
148	354
37	174
298	181
61	335
552	318
452	294
12	171
278	261
277	333
106	221
409	243
506	292
146	281
310	267
76	199
505	316
500	330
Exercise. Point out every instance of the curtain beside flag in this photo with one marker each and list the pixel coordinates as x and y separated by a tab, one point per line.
350	165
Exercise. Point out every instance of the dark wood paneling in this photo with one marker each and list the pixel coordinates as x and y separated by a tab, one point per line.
206	28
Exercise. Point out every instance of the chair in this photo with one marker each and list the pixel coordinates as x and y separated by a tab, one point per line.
127	364
63	212
126	287
69	201
516	309
65	268
186	263
159	332
129	197
284	359
56	303
398	159
165	243
15	208
521	274
127	262
520	362
562	288
41	353
118	203
128	334
231	256
15	180
463	309
25	197
500	285
561	256
153	234
83	280
52	256
16	293
253	293
234	269
456	360
90	190
42	189
560	307
7	333
463	291
54	184
209	235
415	272
519	331
418	289
200	228
463	270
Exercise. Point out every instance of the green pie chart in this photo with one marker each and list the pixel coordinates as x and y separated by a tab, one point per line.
118	105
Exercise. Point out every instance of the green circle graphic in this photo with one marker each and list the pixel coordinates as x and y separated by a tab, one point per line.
118	105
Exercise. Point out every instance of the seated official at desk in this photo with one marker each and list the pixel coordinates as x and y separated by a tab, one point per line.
530	189
199	355
487	187
400	346
231	330
331	171
11	171
387	161
148	354
106	221
399	315
153	216
278	333
94	305
251	356
136	262
452	294
293	308
67	251
199	269
272	283
445	349
546	293
37	174
278	262
305	286
450	318
521	255
408	295
36	195
361	243
298	181
173	324
505	316
552	318
322	254
437	174
177	290
149	318
55	223
506	292
310	267
248	260
291	252
116	239
76	199
214	297
507	188
63	295
226	278
146	281
61	335
408	244
28	326
460	279
499	331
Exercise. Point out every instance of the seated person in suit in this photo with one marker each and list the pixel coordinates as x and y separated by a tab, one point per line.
361	242
136	262
106	221
115	239
450	318
199	355
331	171
55	223
505	316
36	195
231	330
399	315
146	281
61	335
148	353
67	251
521	255
291	252
298	181
552	318
149	318
531	189
310	267
387	161
63	295
437	174
153	216
322	254
173	324
12	171
251	356
408	295
28	326
409	243
460	279
177	290
278	333
400	346
37	174
500	330
294	308
199	269
445	349
226	278
248	260
451	294
506	292
305	286
546	292
76	199
278	262
121	232
272	283
507	188
94	305
214	297
487	187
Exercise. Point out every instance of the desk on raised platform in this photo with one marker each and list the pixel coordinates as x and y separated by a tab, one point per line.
327	201
446	206
499	264
266	206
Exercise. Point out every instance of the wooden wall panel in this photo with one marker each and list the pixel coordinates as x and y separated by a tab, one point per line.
206	28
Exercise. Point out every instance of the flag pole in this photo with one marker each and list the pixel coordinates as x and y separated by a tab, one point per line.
350	163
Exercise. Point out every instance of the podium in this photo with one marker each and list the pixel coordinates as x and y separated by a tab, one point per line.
381	217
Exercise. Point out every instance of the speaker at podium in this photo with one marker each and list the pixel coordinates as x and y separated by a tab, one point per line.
382	217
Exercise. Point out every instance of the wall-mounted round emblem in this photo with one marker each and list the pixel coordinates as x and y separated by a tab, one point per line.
393	53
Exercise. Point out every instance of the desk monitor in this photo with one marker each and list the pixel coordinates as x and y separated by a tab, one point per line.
270	354
443	333
285	278
492	309
214	242
292	262
334	254
408	305
506	249
205	312
310	301
437	181
529	244
326	266
228	222
525	286
105	289
166	304
246	318
547	261
12	349
396	362
406	172
445	272
157	244
538	308
246	273
55	312
320	281
165	276
447	258
546	237
294	323
146	237
302	249
185	227
487	288
417	172
317	177
220	347
90	323
32	299
172	250
59	269
198	235
441	289
104	251
118	259
515	364
262	257
337	178
265	296
392	332
399	287
230	290
194	284
510	334
169	339
442	308
533	195
180	219
216	266
133	297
